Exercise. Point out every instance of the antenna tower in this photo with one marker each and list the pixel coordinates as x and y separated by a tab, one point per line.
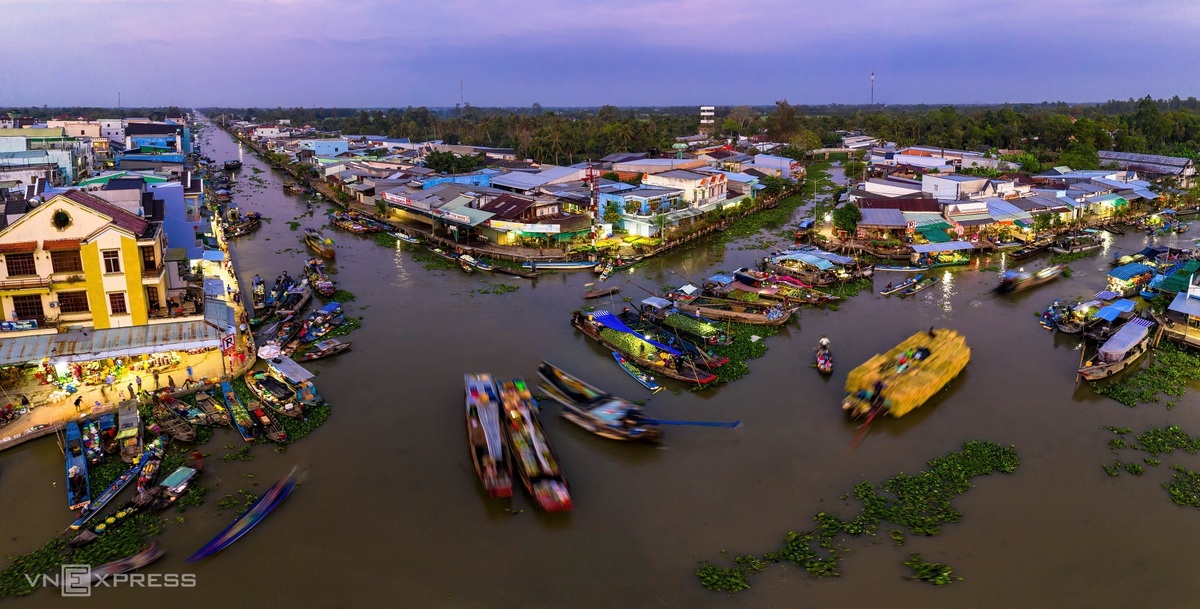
592	177
872	89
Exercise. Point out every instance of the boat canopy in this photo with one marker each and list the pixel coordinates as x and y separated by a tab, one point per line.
720	279
689	289
1091	304
612	410
1119	344
658	303
289	368
1114	310
1107	295
177	477
807	223
1125	272
943	247
608	320
824	255
806	258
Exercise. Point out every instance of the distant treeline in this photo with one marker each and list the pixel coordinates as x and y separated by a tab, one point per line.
45	113
563	135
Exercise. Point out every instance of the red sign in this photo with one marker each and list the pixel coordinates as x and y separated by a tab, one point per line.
228	342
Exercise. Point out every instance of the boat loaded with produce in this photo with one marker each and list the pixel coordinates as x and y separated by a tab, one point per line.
606	329
538	466
489	452
907	376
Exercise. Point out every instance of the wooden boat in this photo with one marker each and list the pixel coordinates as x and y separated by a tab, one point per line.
241	418
604	271
293	302
1076	244
326	348
108	433
600	292
282	284
646	380
191	414
79	490
314	270
747	313
251	517
907	376
262	417
824	361
233	165
1126	346
919	286
258	293
298	378
489	452
599	412
213	411
173	424
405	237
516	272
902	286
663	313
1072	320
649	329
150	554
579	265
1017	281
91	442
129	430
467	268
535	460
1030	250
294	188
285	332
476	263
245	227
276	394
319	244
343	221
1108	319
321	321
112	491
169	490
594	324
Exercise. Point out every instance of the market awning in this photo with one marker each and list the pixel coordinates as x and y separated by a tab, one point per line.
937	235
22	349
1186	305
1125	272
135	340
943	247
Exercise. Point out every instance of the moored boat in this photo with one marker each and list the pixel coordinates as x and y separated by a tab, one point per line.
314	269
405	237
79	491
112	491
173	424
241	417
320	322
489	452
1017	281
1125	347
263	418
213	411
606	329
644	379
536	462
742	312
1031	249
1079	243
129	430
326	348
258	293
274	393
662	312
233	165
476	263
108	433
580	265
601	292
599	412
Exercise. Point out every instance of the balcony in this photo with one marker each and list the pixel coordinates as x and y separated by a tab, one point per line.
25	283
152	275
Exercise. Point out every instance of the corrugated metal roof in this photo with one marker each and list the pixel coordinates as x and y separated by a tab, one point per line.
882	217
113	342
21	349
1126	272
289	368
1184	304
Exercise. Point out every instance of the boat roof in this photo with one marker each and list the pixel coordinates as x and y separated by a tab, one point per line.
612	410
720	279
609	320
943	247
1114	310
1185	304
1106	295
178	476
658	303
1129	271
289	368
1124	339
806	258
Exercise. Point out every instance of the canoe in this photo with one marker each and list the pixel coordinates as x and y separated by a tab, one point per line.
900	287
489	452
79	490
251	517
687	371
824	361
476	263
326	348
173	424
535	460
921	285
129	430
402	236
262	417
213	411
760	316
1029	250
600	292
581	265
648	328
152	553
108	432
314	270
91	442
319	244
241	418
599	412
646	380
275	394
168	491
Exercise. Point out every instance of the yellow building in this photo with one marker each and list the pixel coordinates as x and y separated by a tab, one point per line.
77	260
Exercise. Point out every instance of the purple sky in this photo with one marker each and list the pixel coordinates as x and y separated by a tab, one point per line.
589	53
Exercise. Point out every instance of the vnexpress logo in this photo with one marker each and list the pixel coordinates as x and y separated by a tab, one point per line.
75	580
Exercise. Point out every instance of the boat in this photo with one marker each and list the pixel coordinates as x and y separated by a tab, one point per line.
1017	281
353	222
1182	227
738	311
293	302
919	286
251	223
326	348
467	268
314	269
824	360
173	424
515	272
1125	347
1030	250
535	460
1079	243
646	380
603	271
282	284
190	413
1071	320
606	329
153	459
489	452
79	490
320	322
319	243
562	265
298	378
908	375
1108	319
294	188
405	237
108	433
937	255
601	292
285	332
261	508
213	411
902	286
241	418
476	263
599	412
258	293
169	490
262	417
649	329
275	393
91	442
233	165
107	570
662	312
129	430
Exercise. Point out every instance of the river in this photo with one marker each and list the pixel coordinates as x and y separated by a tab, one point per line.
391	511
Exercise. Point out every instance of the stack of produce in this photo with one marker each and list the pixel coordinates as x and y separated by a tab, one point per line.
628	343
692	325
912	384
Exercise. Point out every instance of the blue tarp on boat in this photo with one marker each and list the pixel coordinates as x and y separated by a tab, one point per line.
1125	272
1106	295
720	279
1122	341
608	320
1114	310
808	259
830	256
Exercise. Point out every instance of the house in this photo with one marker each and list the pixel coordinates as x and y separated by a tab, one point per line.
780	166
325	148
150	138
698	189
968	218
904	204
739	183
952	187
961	159
652	166
729	160
642	201
73	157
527	183
517	220
883	224
859	142
1181	169
80	260
891	187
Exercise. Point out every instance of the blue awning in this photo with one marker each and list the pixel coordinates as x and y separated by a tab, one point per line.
609	320
658	303
1126	272
720	279
808	259
1106	295
1184	304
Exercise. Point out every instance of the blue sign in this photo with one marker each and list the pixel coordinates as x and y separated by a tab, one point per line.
18	326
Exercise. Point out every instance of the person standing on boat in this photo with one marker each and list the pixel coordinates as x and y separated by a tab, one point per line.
823	344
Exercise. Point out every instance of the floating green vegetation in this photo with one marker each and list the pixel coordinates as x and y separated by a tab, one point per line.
432	261
497	288
348	325
293	225
342	296
386	240
741	348
1067	272
749	226
1168	374
936	573
919	503
193	498
1065	258
296	428
849	289
243	454
1184	488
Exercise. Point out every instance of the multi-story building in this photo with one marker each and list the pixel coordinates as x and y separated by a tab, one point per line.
78	260
73	156
697	188
708	119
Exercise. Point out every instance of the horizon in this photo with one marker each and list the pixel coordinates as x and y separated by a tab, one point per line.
660	53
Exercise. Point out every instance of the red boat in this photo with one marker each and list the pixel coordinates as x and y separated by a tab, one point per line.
489	452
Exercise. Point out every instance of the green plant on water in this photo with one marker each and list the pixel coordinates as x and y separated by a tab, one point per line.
1152	462
292	225
228	501
938	574
1113	470
243	454
1134	469
1184	488
1065	258
1168	374
1067	272
1119	430
1116	443
897	536
340	295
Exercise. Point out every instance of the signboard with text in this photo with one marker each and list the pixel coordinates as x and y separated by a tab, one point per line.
525	228
18	326
404	201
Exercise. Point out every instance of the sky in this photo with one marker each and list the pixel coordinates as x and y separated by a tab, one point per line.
383	53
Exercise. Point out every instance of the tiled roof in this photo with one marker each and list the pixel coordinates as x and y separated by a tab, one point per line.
507	206
130	222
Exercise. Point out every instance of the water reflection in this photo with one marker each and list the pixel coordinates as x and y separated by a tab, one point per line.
945	301
403	276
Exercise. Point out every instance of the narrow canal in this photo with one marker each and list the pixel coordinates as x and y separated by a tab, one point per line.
392	509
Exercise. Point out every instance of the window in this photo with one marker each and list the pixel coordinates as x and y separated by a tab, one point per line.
116	302
148	262
28	307
73	302
112	261
66	262
152	297
20	264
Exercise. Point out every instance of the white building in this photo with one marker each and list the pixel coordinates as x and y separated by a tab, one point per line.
698	189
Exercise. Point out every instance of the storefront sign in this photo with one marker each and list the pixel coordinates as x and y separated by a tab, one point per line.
228	342
18	326
548	229
404	201
451	216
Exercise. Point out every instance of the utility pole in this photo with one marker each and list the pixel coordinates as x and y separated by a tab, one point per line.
872	89
462	99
